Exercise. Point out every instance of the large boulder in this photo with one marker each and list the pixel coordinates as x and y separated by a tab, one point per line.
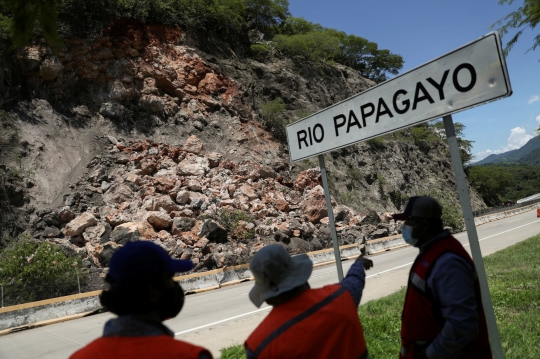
132	231
118	193
182	224
371	218
77	226
156	203
314	205
159	220
98	234
308	179
106	253
248	191
213	231
194	145
193	165
213	159
182	197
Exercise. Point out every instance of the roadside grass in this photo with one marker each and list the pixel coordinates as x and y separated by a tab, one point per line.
514	281
514	278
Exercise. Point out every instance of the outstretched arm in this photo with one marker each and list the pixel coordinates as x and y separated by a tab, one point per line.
356	278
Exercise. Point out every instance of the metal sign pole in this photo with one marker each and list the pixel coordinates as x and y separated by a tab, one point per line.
331	217
465	200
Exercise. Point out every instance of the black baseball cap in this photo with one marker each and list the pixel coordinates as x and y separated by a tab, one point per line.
422	207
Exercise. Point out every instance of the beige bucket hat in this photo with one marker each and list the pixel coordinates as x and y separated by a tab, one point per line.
276	272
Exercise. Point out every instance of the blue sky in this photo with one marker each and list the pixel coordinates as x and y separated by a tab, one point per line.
421	30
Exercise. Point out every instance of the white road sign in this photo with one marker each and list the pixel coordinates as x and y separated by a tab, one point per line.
466	77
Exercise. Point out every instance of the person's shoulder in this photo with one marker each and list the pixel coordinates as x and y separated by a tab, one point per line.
88	351
197	351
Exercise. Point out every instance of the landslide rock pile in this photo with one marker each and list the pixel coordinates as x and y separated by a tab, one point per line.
197	205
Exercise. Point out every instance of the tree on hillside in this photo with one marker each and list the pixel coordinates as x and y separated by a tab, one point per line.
490	182
465	146
26	14
527	16
31	271
266	15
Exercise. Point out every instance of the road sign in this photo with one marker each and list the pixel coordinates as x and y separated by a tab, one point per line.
469	76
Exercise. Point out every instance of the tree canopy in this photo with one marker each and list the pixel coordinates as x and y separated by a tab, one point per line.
228	20
527	16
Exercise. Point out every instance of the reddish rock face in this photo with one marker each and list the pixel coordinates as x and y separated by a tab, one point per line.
314	205
308	179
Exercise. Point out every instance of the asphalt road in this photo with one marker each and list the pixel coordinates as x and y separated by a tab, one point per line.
224	317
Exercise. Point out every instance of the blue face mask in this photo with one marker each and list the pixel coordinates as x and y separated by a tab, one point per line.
406	231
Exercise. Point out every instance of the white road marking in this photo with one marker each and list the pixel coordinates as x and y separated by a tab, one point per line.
222	321
373	275
498	234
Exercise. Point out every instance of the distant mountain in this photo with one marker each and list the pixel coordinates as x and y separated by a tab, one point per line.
531	159
528	154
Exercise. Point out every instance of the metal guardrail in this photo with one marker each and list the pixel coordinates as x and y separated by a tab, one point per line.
492	210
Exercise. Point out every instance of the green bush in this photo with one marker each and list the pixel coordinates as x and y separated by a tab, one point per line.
314	45
272	114
230	220
31	272
260	52
376	143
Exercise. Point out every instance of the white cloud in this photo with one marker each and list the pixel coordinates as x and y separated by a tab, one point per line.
538	119
533	98
518	138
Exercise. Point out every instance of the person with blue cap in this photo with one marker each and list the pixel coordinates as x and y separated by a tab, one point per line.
142	293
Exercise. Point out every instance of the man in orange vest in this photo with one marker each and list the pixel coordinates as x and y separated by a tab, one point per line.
304	322
143	294
443	315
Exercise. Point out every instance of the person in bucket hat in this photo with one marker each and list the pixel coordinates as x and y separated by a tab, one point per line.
305	322
442	315
142	293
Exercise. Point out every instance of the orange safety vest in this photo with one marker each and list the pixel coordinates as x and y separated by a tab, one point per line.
162	346
422	320
318	323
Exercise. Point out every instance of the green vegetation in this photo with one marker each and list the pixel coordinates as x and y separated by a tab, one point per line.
299	37
260	52
381	321
490	182
230	220
526	16
233	352
504	181
226	20
31	271
274	120
452	215
514	281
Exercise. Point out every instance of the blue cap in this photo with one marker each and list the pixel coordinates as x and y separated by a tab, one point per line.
143	260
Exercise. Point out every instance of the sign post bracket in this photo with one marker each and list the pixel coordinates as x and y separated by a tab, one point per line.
332	223
465	200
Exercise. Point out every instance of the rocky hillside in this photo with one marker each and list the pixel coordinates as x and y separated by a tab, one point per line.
101	139
198	205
